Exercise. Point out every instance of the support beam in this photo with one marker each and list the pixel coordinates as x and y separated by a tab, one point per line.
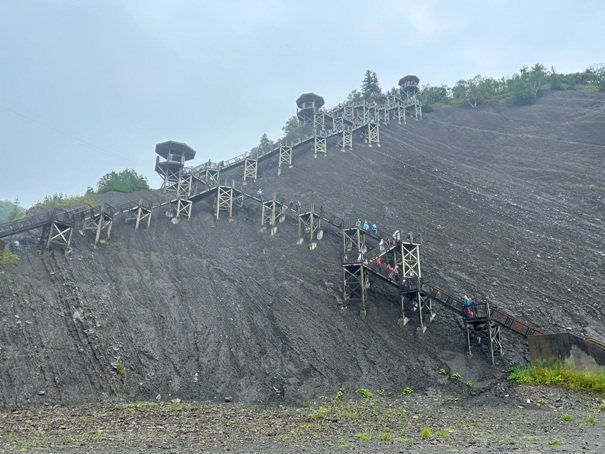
338	124
183	208
355	286
271	213
418	110
224	201
425	311
309	223
495	340
285	157
319	144
373	134
171	179
408	259
100	223
185	184
319	120
347	112
384	114
347	139
354	243
143	214
60	234
140	214
212	176
403	319
250	168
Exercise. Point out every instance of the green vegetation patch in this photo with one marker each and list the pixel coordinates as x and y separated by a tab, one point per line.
8	258
63	200
555	373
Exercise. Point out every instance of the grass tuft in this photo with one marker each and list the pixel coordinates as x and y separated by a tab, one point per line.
555	373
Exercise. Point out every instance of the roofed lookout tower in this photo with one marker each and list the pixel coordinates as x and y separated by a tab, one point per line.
408	89
408	86
308	105
171	169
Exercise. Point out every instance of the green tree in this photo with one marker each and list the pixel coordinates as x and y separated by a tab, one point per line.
10	210
537	77
354	96
433	95
555	81
291	125
475	91
265	145
525	86
521	91
597	72
125	181
369	85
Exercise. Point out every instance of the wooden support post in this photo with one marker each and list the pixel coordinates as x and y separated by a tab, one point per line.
309	223
99	221
285	157
418	110
224	200
212	177
403	319
319	144
268	216
386	116
338	124
185	185
355	285
142	215
59	233
494	338
104	222
319	120
468	342
353	243
373	134
347	139
183	207
250	168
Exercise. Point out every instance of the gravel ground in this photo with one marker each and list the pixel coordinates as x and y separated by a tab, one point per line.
510	419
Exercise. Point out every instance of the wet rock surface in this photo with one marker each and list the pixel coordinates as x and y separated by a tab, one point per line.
510	203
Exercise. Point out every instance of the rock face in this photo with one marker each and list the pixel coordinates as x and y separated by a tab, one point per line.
510	203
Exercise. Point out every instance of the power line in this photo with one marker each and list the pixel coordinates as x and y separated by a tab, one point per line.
70	136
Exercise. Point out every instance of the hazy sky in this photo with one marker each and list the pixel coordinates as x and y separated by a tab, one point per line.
87	87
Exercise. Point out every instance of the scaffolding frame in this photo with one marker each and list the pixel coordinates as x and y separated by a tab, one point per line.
373	134
211	176
183	208
271	213
319	144
354	241
355	286
319	120
59	233
482	317
139	214
309	223
250	168
285	157
101	224
224	201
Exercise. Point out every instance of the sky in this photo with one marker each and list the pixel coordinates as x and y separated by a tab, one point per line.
90	87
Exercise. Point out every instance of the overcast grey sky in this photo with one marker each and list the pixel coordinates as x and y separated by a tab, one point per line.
87	87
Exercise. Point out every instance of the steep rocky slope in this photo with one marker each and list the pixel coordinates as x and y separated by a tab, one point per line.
511	207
